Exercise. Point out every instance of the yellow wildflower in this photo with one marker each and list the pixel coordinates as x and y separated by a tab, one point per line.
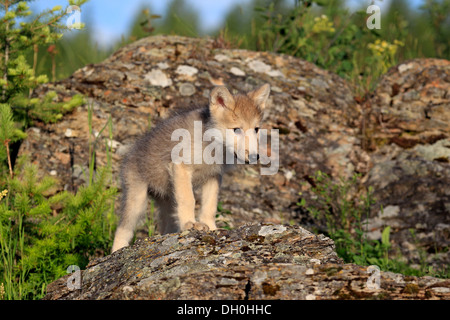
3	194
322	24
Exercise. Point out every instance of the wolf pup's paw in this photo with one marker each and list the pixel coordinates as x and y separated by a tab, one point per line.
196	225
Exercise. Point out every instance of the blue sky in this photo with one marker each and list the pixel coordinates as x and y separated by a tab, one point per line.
110	19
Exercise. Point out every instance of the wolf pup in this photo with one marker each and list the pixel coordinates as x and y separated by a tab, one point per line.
149	168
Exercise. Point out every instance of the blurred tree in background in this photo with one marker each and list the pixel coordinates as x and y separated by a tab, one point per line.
19	75
179	19
74	50
325	32
143	24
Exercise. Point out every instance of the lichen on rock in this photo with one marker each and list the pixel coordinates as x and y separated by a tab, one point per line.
256	261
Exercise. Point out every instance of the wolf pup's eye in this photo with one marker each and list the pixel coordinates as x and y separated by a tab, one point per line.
237	130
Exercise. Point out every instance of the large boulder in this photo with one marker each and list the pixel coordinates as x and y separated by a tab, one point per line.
408	133
258	261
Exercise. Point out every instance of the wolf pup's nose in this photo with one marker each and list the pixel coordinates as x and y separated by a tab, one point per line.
253	157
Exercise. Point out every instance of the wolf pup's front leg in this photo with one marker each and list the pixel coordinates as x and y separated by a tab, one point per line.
184	197
210	193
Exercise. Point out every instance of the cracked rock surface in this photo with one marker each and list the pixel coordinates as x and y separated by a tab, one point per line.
258	261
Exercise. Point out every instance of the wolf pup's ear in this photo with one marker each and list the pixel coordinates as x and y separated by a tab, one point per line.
260	95
219	99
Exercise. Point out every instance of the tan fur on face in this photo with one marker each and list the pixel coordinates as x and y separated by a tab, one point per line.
246	113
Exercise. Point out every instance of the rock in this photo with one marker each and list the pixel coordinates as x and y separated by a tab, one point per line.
268	230
438	151
187	89
397	138
113	144
68	133
186	70
408	121
158	78
221	57
237	72
162	65
415	98
259	66
386	217
254	262
275	73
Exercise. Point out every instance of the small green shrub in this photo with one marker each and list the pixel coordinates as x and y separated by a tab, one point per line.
18	79
342	214
40	235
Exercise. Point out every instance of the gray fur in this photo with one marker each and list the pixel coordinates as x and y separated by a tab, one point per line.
148	170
